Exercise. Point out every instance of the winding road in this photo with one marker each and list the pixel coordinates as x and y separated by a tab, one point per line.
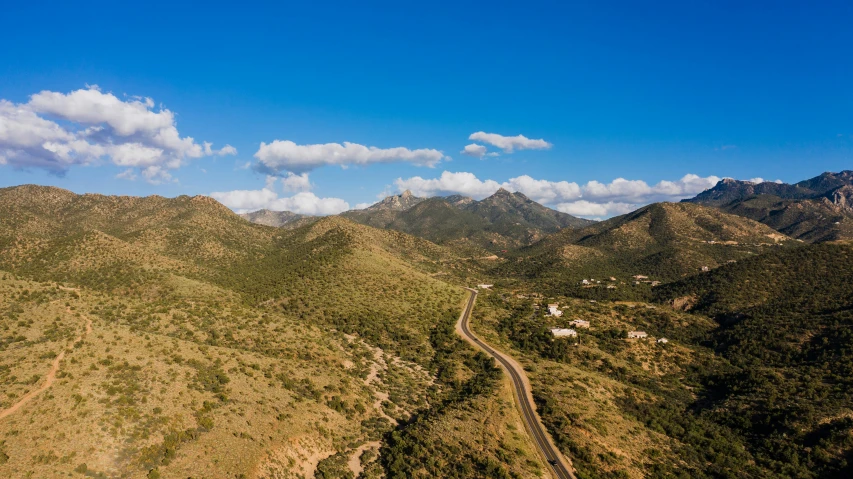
558	465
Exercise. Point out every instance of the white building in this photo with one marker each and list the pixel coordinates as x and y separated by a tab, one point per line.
553	311
580	323
563	333
485	286
637	334
663	340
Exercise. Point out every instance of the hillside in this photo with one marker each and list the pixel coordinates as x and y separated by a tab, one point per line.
662	241
278	219
171	338
753	380
813	210
502	221
827	218
786	323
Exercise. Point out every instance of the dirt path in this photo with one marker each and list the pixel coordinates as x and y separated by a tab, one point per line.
51	375
354	462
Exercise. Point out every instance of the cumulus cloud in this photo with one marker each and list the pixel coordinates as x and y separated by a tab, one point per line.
225	150
509	143
595	210
638	191
55	131
760	180
286	156
594	199
127	174
475	150
305	202
543	191
449	183
294	182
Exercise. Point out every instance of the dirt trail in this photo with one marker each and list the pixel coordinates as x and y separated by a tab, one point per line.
354	462
51	375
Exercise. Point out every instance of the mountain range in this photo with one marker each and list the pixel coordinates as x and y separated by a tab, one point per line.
814	210
502	221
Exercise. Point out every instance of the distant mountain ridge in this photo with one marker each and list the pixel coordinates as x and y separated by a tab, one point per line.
501	221
728	189
279	219
814	210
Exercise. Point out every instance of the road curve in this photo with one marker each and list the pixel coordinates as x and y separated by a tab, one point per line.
555	461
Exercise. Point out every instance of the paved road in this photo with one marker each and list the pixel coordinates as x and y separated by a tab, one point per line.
555	460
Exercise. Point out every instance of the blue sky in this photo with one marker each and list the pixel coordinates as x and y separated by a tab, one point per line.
645	93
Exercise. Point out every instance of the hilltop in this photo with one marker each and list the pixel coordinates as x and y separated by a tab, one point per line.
814	210
662	241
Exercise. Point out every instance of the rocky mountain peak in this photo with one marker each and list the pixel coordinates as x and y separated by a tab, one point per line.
401	202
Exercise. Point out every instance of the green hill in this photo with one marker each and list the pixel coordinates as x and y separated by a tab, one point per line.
786	320
662	241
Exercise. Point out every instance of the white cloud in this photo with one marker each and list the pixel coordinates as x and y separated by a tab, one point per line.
595	210
544	191
475	150
361	206
55	131
127	174
225	150
305	203
294	182
594	199
462	183
280	156
157	175
510	143
638	191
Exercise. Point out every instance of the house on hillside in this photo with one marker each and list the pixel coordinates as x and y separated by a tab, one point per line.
564	333
554	311
705	268
637	335
580	323
485	286
639	277
663	340
585	281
